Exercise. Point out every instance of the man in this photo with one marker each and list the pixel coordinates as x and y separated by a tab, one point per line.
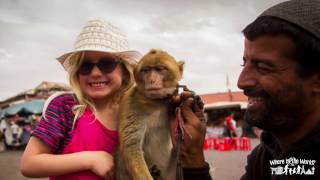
281	77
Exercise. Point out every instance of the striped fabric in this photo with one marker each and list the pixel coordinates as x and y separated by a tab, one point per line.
56	130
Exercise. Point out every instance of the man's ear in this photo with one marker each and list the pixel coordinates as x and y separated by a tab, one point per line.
316	83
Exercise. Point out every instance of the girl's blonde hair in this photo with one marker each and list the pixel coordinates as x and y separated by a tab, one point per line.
75	61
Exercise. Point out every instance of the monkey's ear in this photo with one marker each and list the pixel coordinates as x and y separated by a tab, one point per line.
181	64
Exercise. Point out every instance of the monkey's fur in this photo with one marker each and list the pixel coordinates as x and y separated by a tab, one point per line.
145	139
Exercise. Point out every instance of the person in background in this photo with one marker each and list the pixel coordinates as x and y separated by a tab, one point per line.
16	133
2	147
230	124
237	116
281	77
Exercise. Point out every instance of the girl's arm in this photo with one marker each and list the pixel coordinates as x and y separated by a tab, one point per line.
38	161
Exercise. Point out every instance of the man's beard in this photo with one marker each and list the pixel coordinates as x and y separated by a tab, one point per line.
281	112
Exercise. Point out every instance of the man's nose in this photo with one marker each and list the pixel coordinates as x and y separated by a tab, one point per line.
247	78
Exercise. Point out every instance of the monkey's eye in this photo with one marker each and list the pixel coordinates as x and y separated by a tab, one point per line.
160	68
145	69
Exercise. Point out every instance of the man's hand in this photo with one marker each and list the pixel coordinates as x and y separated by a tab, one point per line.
192	155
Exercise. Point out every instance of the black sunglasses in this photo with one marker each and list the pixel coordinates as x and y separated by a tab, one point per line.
105	64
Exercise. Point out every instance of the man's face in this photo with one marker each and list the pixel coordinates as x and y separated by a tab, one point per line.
276	93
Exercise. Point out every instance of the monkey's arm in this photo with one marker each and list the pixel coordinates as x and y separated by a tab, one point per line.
132	130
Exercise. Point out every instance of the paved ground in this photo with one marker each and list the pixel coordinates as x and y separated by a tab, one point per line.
9	165
226	165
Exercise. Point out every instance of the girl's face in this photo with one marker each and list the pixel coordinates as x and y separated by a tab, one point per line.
100	75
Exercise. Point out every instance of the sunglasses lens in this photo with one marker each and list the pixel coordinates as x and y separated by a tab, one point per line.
85	68
107	65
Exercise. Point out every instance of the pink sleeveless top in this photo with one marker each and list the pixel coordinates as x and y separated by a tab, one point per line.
89	135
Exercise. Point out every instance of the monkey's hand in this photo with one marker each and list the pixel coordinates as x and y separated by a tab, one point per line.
192	155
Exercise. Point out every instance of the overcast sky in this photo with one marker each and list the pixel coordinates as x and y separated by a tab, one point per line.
206	34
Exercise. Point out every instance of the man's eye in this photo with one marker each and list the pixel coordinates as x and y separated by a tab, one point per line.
263	67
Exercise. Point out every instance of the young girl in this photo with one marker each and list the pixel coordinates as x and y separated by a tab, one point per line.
77	134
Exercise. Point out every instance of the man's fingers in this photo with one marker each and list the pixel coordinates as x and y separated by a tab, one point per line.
186	94
189	115
188	102
177	99
198	104
186	110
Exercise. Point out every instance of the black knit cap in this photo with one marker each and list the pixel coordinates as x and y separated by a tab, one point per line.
303	13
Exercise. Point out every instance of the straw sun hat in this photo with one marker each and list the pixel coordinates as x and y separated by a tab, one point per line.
101	36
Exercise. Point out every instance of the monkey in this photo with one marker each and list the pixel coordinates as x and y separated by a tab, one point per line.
144	127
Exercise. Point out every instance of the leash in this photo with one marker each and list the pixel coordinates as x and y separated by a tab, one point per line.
180	130
179	134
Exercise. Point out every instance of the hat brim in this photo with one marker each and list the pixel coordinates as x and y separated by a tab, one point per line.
132	57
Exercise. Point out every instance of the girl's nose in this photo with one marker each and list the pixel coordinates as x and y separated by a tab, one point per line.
96	71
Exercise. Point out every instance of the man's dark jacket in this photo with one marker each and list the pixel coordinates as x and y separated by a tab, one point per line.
297	160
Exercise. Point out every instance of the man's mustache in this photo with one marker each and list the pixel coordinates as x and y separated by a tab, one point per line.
250	92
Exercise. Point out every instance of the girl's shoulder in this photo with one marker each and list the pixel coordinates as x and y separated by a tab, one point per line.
56	122
61	101
62	98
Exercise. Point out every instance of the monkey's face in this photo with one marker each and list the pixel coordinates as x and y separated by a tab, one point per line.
157	75
157	83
